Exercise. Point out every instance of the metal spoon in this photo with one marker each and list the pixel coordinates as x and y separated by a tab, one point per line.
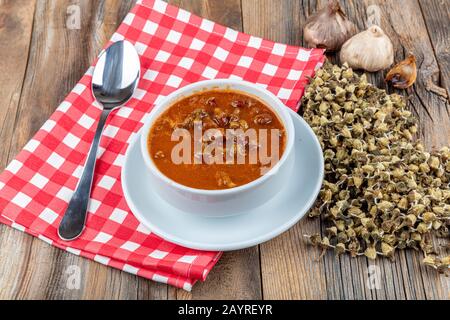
115	78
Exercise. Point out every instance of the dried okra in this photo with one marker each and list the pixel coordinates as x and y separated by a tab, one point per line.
382	191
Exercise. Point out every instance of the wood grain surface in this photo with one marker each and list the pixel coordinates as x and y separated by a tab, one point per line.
41	60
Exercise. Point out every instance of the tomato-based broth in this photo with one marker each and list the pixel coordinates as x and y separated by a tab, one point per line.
206	163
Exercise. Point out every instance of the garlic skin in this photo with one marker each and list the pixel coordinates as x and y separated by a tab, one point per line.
370	50
404	74
328	28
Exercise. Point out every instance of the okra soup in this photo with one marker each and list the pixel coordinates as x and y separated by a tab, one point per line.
216	139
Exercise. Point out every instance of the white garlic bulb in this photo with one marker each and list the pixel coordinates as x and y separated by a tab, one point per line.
370	50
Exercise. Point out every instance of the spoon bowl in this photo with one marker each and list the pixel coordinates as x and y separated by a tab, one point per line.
116	75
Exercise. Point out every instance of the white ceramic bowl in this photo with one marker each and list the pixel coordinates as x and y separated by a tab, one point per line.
226	202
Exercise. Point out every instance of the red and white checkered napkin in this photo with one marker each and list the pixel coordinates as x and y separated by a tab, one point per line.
176	48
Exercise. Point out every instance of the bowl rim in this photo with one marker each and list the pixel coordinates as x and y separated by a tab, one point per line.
280	109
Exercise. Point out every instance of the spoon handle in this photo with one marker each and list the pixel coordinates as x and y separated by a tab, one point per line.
72	224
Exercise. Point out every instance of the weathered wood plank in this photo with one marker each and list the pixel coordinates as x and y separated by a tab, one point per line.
437	19
54	48
16	21
289	267
404	278
406	26
237	275
347	285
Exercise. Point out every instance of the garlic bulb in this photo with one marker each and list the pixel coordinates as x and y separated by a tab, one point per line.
404	74
329	28
370	50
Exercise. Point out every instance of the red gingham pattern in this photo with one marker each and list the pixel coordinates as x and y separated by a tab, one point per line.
176	48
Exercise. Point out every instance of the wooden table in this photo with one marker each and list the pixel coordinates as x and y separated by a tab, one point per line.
41	60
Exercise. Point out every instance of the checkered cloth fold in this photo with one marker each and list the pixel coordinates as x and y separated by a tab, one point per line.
176	48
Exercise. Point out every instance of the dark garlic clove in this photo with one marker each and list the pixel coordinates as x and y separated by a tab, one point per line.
404	74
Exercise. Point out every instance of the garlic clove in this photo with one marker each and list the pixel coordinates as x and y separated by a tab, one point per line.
328	28
370	50
404	74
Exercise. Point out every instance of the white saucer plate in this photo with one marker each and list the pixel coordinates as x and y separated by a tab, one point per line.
229	233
